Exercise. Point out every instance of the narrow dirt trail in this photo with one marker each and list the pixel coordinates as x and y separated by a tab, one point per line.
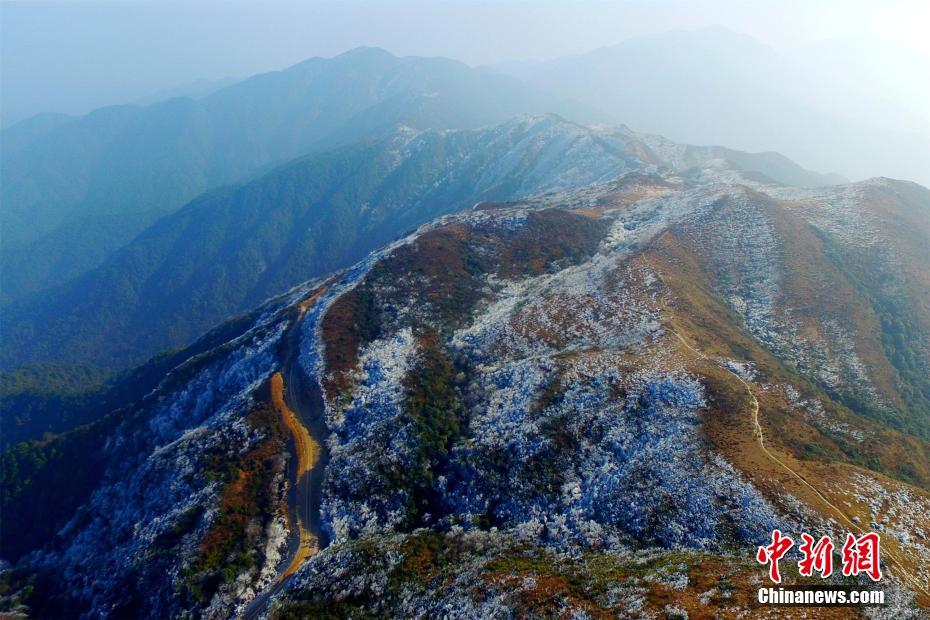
760	438
903	573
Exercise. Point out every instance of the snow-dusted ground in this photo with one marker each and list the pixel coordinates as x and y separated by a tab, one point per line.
111	551
627	467
563	444
579	429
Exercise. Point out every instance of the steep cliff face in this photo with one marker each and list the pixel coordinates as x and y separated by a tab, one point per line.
590	401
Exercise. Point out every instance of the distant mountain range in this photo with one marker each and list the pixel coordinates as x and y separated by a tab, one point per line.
196	89
424	341
523	406
76	189
233	247
716	86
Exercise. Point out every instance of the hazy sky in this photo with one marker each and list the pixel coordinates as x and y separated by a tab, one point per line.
74	56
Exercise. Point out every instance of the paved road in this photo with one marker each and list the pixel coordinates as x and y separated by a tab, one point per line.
304	398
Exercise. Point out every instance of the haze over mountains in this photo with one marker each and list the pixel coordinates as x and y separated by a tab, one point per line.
189	206
620	387
107	260
716	86
232	248
426	340
75	190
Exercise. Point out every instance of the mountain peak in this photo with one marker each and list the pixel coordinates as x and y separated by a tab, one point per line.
365	51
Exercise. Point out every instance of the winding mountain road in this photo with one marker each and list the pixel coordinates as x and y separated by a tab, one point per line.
300	403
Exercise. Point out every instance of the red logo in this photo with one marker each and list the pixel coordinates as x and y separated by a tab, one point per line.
817	557
859	555
773	553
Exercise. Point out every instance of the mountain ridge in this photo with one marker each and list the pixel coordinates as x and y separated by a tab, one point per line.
528	361
547	142
144	162
717	85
